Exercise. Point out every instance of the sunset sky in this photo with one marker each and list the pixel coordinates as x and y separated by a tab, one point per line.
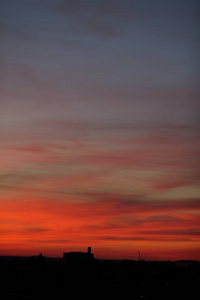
99	128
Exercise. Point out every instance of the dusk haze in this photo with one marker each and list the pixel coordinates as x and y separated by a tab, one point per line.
99	128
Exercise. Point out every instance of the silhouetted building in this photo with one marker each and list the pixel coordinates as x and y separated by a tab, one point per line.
186	263
78	257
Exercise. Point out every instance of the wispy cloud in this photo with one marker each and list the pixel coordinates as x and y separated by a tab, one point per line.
88	18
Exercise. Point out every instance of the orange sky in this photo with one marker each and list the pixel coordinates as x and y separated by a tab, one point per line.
136	194
159	230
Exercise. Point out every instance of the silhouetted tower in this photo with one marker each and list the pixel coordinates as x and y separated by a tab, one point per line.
78	257
89	250
139	257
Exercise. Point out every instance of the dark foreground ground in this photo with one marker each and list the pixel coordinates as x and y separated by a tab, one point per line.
45	278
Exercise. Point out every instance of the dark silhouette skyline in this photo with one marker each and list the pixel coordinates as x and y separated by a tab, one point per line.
81	274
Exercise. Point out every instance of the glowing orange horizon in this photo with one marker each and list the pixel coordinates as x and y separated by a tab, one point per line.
113	228
120	195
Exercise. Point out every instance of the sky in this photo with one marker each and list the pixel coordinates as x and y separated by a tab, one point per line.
99	128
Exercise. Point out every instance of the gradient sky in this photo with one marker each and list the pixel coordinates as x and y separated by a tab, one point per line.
99	128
